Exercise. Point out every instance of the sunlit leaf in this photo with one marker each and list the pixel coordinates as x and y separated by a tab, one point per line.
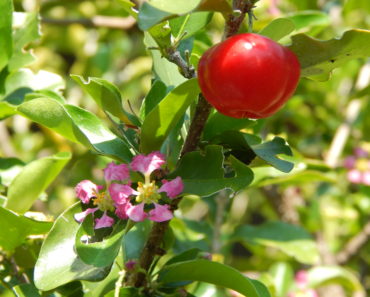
278	29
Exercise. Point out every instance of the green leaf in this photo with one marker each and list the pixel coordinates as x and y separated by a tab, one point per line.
269	150
26	30
6	43
190	23
9	169
6	109
164	70
107	97
128	7
26	290
290	239
160	121
214	273
135	240
157	92
278	29
218	123
203	174
77	125
125	292
175	7
308	18
16	228
283	278
58	262
319	58
216	5
150	16
34	178
102	253
324	275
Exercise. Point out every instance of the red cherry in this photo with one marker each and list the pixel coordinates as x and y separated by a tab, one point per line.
248	76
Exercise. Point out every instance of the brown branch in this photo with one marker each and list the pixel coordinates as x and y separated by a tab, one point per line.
94	22
240	8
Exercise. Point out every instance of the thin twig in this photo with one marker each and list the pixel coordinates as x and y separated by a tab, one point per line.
96	21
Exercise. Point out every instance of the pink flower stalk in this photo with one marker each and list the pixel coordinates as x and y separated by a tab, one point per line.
116	172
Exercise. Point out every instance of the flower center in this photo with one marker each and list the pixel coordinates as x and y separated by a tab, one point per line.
103	201
148	192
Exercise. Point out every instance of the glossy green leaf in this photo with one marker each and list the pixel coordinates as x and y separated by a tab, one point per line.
278	29
9	169
324	275
6	43
157	92
102	253
203	173
318	58
26	290
164	70
58	262
77	125
290	239
218	123
166	114
211	272
269	150
34	178
107	97
15	229
189	24
26	26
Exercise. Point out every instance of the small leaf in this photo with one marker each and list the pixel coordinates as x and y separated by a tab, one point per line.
278	29
77	125
319	58
58	262
160	121
107	97
175	7
15	229
214	273
34	178
190	23
269	150
203	175
290	239
6	43
128	7
102	253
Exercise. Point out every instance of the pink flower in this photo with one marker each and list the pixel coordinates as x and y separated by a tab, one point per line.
136	212
160	213
80	217
173	187
86	189
349	162
360	152
121	210
104	222
147	164
366	178
116	172
301	279
354	176
121	193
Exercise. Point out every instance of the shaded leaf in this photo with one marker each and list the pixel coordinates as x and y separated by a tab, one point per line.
125	292
214	273
16	228
58	262
157	92
34	178
318	58
135	240
77	125
9	169
150	16
26	290
290	239
160	121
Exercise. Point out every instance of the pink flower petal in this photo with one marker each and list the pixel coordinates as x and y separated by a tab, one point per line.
121	210
79	217
360	152
136	212
147	164
301	279
349	162
85	190
116	172
104	222
121	193
354	176
160	213
173	187
366	178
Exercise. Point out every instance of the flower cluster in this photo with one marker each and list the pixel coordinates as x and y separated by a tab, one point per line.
358	166
128	200
302	289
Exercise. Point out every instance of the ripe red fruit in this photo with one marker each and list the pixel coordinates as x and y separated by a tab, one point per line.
248	76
